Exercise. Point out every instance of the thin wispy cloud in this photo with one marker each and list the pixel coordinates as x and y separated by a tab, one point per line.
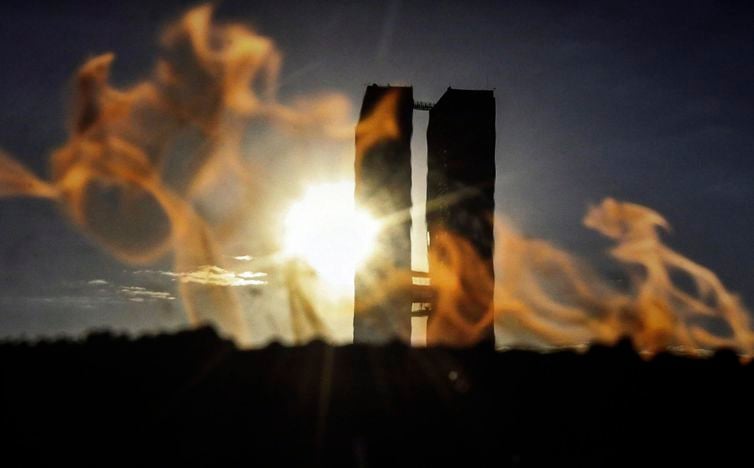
91	294
214	276
243	258
140	294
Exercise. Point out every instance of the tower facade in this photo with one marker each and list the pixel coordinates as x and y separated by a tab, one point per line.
383	185
460	207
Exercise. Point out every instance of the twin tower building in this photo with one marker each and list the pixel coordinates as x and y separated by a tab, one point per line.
460	204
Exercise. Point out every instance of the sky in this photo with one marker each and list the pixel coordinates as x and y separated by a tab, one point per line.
648	102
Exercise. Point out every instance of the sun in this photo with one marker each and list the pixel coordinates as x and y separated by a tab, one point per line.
326	229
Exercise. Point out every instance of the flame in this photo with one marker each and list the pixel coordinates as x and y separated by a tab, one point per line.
127	177
462	282
139	162
664	309
380	125
17	181
545	295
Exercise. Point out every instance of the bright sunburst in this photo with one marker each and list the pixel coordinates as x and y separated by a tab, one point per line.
326	230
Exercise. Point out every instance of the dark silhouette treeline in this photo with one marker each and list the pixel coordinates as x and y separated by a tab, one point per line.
193	399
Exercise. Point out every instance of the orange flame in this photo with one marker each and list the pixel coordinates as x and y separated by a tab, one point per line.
380	125
127	177
664	308
17	181
545	295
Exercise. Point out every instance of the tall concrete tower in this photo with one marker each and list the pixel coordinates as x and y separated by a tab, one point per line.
383	186
460	203
460	198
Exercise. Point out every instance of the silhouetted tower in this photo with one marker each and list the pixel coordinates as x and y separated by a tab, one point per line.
460	206
460	194
383	185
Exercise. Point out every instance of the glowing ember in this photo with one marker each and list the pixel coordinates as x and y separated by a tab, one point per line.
327	231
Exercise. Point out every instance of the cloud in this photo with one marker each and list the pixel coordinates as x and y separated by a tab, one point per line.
140	294
62	300
215	276
243	258
88	294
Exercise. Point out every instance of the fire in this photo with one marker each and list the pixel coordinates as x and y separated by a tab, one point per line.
545	296
140	167
141	164
327	231
665	310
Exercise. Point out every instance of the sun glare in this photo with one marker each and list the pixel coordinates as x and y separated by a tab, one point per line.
329	232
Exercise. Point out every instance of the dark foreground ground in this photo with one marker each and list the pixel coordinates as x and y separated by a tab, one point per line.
192	398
